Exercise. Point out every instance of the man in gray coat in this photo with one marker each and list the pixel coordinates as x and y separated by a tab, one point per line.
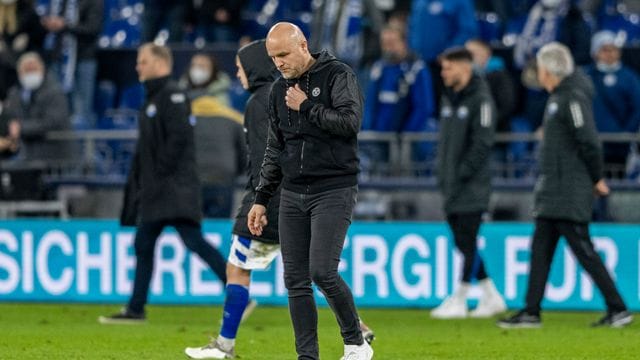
468	121
570	172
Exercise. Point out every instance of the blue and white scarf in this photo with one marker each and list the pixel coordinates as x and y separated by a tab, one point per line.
540	29
68	9
342	29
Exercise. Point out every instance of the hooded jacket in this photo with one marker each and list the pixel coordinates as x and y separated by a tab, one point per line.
571	155
314	149
467	128
261	72
163	182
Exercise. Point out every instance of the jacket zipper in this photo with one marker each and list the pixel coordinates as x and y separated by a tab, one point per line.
302	157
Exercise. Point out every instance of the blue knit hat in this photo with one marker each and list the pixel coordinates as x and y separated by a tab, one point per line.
602	38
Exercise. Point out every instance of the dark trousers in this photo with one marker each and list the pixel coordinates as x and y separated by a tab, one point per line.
545	239
312	233
145	242
465	228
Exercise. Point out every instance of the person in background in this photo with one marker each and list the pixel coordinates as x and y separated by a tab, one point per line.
467	127
38	105
204	77
570	174
70	47
399	94
163	187
616	105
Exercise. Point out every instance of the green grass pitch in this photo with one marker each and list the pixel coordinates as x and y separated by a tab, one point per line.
71	331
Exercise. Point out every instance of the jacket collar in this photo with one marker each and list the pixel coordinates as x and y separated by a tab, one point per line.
152	86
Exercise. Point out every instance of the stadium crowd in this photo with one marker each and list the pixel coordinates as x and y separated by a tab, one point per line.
50	51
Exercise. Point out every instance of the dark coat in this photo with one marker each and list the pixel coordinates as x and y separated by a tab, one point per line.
163	181
314	149
261	72
467	127
571	155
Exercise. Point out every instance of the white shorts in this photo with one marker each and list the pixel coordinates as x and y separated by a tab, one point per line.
250	254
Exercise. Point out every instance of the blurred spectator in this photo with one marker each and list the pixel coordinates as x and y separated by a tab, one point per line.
39	105
221	153
164	13
399	96
9	135
20	31
502	87
553	20
204	77
616	105
74	27
217	20
349	29
453	21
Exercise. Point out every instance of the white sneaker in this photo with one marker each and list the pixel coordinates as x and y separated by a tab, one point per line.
210	351
358	352
453	307
489	306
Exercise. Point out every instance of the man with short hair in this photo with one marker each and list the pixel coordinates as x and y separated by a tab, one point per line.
467	126
570	172
315	110
163	188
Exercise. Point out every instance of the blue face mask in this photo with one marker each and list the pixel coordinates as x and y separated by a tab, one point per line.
608	68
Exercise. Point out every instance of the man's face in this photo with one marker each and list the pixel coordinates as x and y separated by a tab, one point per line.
608	54
544	78
31	66
453	72
241	75
146	65
392	45
478	52
288	54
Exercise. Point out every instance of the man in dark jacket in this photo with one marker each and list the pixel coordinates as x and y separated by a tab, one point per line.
570	172
163	187
467	126
315	111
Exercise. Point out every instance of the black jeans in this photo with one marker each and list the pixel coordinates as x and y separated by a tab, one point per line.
312	233
543	246
145	242
465	228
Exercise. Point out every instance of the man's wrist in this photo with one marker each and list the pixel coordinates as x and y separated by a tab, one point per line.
262	198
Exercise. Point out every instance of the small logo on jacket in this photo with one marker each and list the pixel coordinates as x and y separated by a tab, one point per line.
151	110
463	112
315	92
552	108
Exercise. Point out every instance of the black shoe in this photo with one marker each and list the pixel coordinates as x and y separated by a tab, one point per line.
615	319
521	320
123	317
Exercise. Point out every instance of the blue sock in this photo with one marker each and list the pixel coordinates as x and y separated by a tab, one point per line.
234	305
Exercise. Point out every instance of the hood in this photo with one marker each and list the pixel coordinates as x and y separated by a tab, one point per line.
257	65
323	58
576	82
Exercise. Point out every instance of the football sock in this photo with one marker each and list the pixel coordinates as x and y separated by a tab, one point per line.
234	305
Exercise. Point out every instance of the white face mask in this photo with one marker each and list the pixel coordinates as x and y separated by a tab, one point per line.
199	75
551	3
607	68
32	80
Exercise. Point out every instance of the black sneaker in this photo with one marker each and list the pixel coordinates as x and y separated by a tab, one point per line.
123	317
615	319
521	320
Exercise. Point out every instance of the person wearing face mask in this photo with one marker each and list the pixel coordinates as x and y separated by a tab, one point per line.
399	95
204	77
616	105
39	105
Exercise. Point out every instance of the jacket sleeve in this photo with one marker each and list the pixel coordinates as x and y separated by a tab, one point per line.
343	119
466	26
51	113
90	23
476	155
583	129
372	98
634	103
270	173
177	128
422	104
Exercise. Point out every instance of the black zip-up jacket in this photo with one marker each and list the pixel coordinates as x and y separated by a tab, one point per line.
163	182
467	127
260	72
315	149
571	154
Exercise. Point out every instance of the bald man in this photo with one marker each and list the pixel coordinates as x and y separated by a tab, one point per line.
315	111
